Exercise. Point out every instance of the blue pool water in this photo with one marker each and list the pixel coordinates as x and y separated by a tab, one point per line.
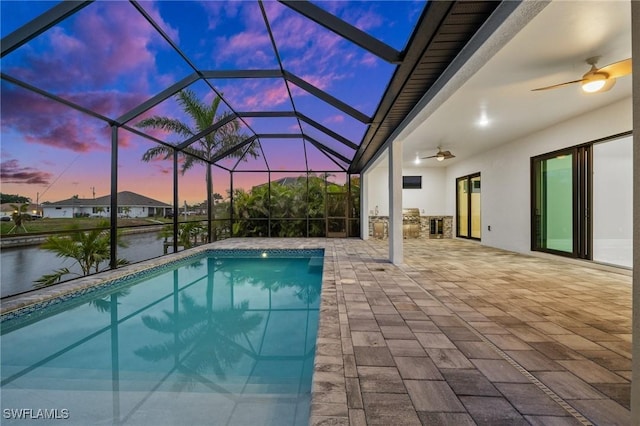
211	341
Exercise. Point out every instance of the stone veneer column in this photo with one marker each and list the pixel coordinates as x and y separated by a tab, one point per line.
396	254
635	351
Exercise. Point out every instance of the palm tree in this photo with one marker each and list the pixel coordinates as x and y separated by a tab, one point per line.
206	147
251	212
19	216
89	249
126	210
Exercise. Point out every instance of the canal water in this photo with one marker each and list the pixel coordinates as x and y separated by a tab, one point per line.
21	266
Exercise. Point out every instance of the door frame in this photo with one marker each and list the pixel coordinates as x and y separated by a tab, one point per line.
468	178
582	200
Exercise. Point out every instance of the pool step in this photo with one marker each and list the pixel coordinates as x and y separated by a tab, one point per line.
315	263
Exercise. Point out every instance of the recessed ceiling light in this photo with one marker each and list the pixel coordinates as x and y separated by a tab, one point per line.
483	121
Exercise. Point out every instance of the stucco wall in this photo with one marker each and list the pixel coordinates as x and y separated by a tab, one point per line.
506	172
430	199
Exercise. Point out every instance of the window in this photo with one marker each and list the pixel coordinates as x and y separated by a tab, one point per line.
468	224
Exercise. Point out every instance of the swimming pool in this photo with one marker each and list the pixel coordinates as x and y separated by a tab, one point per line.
225	337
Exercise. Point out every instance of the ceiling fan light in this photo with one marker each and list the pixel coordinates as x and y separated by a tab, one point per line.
440	157
594	83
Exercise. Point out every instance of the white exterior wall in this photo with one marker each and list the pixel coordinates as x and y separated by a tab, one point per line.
68	212
505	173
63	212
136	212
430	199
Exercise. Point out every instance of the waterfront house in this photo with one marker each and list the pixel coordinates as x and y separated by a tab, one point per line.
130	204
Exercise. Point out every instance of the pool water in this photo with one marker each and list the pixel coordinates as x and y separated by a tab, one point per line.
216	341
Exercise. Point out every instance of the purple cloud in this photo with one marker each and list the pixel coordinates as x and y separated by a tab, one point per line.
12	172
107	47
40	120
250	45
254	94
335	119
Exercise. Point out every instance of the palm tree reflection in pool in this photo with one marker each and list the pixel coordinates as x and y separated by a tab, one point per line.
204	339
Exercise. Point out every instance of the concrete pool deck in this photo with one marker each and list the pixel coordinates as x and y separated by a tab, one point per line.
460	334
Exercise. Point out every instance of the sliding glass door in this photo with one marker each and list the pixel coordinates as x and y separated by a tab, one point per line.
468	207
561	221
554	203
462	220
612	202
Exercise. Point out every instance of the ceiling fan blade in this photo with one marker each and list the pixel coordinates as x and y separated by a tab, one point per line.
441	154
617	69
555	86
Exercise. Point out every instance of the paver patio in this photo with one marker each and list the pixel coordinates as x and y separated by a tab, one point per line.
478	335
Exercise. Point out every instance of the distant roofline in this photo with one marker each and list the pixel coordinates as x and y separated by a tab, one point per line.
124	198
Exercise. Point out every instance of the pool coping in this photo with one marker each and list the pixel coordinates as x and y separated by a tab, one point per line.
328	383
15	303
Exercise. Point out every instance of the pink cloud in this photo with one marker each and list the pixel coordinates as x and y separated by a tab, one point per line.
217	11
62	136
255	94
245	49
12	172
368	20
266	99
250	44
42	121
334	119
361	15
310	51
107	46
369	60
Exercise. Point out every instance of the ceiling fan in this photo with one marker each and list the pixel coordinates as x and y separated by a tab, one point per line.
441	155
598	79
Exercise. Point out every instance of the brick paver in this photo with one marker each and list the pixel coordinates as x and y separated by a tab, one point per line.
465	334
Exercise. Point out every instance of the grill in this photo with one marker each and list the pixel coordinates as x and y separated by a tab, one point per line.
411	223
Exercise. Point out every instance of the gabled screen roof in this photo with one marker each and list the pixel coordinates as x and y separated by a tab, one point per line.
302	80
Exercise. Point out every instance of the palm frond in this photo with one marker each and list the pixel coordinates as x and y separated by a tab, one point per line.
61	246
191	160
102	305
167	124
50	279
122	262
201	114
159	151
156	353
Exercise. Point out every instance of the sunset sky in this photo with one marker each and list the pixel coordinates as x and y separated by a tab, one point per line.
107	57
